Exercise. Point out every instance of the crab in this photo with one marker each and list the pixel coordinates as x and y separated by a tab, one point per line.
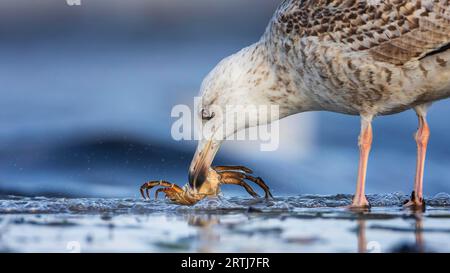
217	176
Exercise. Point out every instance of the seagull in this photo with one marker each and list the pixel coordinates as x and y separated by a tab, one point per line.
362	58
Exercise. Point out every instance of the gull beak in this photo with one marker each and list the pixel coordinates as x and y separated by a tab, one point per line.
203	158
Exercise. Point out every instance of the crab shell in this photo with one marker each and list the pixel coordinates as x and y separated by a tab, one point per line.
211	187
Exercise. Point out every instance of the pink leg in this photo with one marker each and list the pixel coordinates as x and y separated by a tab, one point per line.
365	143
422	136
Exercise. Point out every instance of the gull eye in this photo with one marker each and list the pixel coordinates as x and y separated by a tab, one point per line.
206	115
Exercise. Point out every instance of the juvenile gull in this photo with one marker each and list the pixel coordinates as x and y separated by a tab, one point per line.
365	58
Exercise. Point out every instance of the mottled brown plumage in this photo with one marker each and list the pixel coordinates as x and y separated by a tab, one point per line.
396	31
356	57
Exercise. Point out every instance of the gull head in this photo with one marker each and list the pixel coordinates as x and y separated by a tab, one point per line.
232	99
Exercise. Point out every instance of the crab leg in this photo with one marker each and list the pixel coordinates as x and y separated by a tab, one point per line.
239	182
232	168
158	191
261	183
246	171
151	184
241	176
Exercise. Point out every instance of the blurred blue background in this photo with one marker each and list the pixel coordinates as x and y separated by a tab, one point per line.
86	95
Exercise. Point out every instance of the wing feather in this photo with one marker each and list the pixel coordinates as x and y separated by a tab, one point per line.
392	31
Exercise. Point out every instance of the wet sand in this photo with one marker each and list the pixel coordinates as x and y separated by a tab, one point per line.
305	223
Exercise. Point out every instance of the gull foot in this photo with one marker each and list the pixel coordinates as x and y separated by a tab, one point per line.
415	203
360	204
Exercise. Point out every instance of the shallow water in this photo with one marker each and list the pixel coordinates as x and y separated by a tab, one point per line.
305	223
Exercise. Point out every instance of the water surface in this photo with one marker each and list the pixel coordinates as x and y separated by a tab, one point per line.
305	223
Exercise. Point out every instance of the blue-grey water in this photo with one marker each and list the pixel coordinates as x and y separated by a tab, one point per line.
85	112
304	223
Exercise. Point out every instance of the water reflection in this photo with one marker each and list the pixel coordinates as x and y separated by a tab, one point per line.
365	246
211	229
206	230
420	243
291	224
361	235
